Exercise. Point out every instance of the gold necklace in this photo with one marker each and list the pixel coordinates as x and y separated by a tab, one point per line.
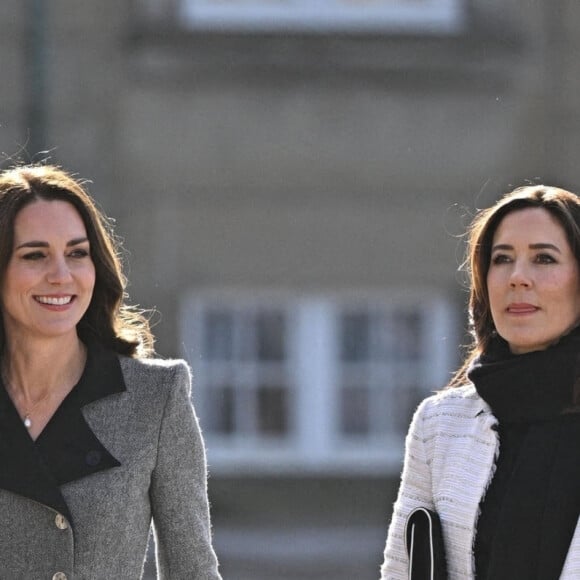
27	419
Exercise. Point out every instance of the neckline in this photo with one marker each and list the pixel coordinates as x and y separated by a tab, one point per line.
67	449
541	385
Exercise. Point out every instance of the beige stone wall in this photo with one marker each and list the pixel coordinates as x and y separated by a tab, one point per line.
12	91
298	161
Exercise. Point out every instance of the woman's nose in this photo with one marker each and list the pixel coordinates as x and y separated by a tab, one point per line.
519	276
59	272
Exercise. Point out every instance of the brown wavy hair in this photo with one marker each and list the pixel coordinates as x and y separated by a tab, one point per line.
562	205
108	319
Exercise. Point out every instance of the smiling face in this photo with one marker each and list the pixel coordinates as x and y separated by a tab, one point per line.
533	281
48	283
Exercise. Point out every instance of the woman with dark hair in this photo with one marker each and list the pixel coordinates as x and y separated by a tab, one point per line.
97	439
496	453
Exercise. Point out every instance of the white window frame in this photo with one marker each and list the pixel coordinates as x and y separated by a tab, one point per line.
316	445
435	16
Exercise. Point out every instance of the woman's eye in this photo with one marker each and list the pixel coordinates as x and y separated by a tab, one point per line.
545	259
79	253
33	256
500	259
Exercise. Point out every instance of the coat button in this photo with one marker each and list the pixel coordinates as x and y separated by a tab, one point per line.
61	524
93	458
59	576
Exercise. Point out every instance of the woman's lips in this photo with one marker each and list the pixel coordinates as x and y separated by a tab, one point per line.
61	300
521	308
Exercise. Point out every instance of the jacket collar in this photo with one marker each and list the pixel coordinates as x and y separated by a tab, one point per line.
477	407
67	449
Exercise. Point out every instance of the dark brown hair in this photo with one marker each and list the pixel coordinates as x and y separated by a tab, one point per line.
562	205
108	319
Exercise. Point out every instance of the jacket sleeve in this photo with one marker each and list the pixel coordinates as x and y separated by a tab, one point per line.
178	490
415	490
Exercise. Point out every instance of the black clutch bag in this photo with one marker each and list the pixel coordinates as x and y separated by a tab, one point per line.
424	545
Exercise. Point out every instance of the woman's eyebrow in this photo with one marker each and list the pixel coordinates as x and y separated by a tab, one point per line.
537	246
41	244
545	246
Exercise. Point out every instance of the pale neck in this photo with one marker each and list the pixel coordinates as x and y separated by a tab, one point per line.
35	368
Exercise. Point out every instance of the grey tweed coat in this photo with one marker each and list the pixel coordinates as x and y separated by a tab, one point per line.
123	449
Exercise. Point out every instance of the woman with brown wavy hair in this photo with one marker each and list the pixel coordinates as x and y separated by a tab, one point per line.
495	454
97	438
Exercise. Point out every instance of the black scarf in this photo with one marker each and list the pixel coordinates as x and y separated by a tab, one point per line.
530	511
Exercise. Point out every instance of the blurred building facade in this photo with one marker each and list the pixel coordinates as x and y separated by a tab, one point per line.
291	180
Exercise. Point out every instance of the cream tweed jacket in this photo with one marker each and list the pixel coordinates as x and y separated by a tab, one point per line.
450	457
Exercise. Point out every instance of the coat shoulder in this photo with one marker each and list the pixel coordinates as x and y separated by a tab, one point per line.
155	372
462	400
153	365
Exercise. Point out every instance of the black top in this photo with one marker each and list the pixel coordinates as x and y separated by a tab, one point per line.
531	509
67	449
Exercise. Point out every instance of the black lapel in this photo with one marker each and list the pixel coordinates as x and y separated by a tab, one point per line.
67	449
24	471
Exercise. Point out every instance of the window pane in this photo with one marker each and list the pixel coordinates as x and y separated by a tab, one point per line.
407	397
324	15
408	329
385	337
354	337
355	410
218	338
272	410
271	329
220	406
